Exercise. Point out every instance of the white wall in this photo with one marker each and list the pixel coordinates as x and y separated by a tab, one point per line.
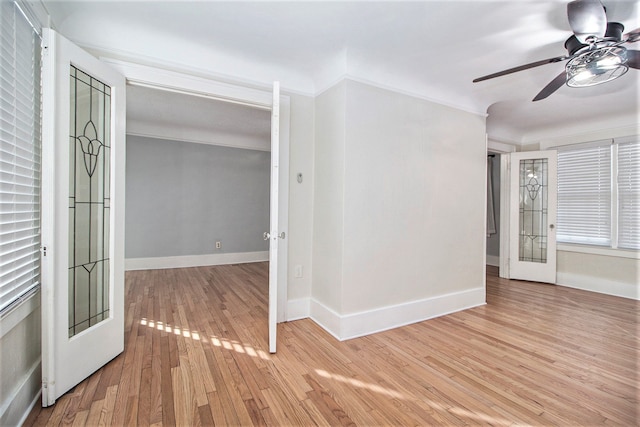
300	204
399	210
20	368
607	274
328	201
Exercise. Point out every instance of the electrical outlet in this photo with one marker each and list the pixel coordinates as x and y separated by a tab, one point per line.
218	245
297	272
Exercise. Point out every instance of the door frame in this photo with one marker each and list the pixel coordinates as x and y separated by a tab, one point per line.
505	201
182	82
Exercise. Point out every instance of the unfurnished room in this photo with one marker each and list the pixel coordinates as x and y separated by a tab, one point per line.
296	213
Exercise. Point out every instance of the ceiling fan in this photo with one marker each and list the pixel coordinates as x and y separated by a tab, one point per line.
595	51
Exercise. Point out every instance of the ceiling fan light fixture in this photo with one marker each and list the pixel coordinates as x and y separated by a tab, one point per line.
597	66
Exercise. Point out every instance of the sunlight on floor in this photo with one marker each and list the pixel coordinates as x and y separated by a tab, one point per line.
397	395
225	343
239	347
168	328
361	384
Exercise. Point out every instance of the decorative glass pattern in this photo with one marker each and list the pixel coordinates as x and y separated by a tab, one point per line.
89	206
533	210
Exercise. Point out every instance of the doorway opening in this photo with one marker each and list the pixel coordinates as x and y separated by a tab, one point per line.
493	209
198	180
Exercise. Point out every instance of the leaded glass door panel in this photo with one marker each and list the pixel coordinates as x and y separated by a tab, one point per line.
89	197
533	212
83	215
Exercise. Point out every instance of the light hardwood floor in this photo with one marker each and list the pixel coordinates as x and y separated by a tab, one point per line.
196	354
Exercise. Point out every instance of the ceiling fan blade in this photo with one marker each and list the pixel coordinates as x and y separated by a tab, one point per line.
633	36
633	59
587	18
521	68
552	87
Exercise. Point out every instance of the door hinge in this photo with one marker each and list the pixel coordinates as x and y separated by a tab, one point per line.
44	251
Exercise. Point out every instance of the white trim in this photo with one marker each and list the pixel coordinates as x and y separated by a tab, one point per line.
32	405
398	90
49	170
500	147
591	135
505	225
185	261
17	314
599	285
158	78
15	399
504	149
597	250
298	309
110	54
328	319
345	327
493	260
196	141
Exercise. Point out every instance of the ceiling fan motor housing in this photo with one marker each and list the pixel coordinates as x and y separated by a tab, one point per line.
613	34
614	31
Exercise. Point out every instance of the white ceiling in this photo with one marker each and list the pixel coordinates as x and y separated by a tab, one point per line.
430	49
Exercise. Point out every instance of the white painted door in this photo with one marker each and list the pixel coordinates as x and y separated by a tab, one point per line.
83	215
274	234
532	220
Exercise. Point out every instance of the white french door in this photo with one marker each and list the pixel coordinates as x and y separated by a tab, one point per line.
532	219
83	215
274	235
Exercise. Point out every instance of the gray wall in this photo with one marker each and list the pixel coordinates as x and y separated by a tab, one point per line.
493	241
183	197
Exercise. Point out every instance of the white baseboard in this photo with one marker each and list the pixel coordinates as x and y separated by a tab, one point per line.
599	285
194	260
298	309
493	260
328	319
15	408
345	327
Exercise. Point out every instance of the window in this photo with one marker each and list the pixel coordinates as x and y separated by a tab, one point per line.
19	156
598	193
629	194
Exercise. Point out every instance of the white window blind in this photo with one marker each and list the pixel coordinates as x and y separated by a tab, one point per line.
629	195
19	156
584	194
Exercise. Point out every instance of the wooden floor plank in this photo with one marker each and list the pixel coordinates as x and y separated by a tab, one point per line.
196	353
